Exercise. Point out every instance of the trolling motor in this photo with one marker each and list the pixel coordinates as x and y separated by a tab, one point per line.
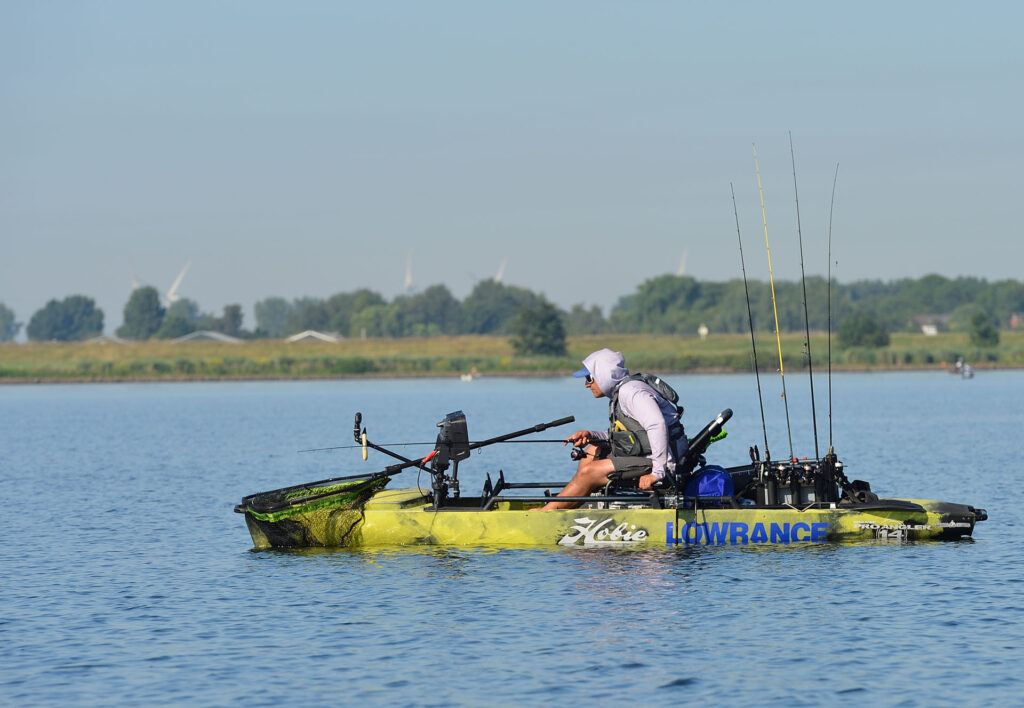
451	447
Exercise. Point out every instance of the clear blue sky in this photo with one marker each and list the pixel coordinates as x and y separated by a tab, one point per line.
303	149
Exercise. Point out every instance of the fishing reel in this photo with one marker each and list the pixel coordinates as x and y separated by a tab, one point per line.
577	454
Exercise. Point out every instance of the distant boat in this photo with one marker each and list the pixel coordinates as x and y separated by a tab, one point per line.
962	369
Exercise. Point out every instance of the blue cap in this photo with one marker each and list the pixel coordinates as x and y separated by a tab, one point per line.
581	373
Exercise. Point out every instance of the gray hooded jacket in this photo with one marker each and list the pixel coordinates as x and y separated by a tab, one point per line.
638	401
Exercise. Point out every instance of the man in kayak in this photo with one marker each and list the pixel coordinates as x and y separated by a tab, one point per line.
646	436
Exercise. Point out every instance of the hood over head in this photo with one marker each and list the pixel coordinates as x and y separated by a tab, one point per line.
607	367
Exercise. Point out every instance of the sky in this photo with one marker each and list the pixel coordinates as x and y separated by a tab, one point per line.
300	149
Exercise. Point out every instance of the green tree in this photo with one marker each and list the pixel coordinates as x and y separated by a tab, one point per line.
982	332
143	314
491	307
8	327
433	311
307	313
377	321
539	330
583	321
71	319
960	318
231	321
272	316
174	326
187	309
341	308
862	331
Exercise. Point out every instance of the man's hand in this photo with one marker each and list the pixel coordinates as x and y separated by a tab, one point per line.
647	481
580	438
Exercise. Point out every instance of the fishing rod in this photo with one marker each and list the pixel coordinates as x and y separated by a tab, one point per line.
750	319
803	282
409	444
830	208
775	310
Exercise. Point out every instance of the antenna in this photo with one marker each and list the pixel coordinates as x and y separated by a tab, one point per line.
775	309
172	294
803	282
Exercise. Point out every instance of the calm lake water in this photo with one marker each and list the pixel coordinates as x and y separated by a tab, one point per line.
127	579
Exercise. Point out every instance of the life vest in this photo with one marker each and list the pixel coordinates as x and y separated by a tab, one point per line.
628	437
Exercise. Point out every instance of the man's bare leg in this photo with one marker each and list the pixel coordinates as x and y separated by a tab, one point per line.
591	474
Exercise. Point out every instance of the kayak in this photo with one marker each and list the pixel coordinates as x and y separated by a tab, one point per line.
764	503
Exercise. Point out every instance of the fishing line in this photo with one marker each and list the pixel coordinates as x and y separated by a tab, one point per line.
831	206
750	319
803	282
775	310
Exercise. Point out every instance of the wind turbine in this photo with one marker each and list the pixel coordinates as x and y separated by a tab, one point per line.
408	273
682	263
172	295
501	269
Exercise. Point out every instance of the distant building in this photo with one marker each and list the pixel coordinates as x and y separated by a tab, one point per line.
932	324
206	335
312	335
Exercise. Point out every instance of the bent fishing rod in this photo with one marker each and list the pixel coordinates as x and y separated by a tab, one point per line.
750	320
775	310
803	282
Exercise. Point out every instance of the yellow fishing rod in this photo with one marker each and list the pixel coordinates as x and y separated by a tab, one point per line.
775	310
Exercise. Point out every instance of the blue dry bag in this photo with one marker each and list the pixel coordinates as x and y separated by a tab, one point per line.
710	481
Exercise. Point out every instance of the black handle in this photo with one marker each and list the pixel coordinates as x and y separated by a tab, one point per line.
525	431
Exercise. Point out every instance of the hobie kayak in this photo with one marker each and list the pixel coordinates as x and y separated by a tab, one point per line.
762	503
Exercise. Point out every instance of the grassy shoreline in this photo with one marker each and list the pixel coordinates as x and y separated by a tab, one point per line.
82	362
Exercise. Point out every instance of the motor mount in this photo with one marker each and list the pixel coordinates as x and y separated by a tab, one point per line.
451	447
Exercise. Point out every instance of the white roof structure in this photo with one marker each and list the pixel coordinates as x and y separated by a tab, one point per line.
205	334
107	339
310	334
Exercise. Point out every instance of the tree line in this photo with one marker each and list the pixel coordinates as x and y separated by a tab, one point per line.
665	304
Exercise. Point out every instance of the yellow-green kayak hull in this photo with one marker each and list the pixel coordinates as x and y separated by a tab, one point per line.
404	517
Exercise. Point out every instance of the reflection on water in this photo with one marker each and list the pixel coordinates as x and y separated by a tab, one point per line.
128	579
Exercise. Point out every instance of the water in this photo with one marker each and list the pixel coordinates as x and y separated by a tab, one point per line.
128	580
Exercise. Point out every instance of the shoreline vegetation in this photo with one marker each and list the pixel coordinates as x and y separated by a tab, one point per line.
263	359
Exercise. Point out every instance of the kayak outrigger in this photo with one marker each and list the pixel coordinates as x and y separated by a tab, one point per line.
762	503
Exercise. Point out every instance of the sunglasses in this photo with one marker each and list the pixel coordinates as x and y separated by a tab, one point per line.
588	380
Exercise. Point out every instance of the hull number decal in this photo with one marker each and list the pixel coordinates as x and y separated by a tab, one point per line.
892	532
598	532
737	533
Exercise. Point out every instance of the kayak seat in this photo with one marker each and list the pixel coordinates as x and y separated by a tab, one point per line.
624	480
